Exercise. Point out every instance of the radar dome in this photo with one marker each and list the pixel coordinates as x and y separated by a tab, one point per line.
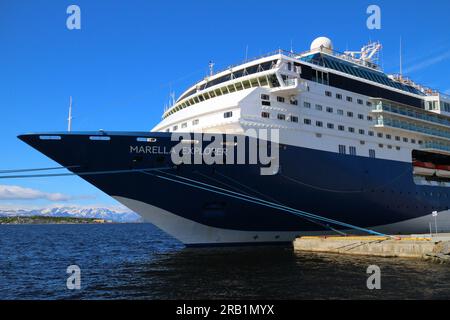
322	43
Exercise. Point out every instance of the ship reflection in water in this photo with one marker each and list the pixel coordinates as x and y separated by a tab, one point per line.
137	261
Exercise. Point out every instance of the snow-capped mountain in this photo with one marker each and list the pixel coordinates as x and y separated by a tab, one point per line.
76	212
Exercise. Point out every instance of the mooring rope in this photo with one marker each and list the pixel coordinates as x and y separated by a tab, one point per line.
236	195
85	173
37	169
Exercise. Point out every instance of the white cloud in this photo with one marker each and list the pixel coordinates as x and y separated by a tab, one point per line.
428	62
9	192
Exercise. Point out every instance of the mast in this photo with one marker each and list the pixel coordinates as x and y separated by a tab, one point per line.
69	119
401	62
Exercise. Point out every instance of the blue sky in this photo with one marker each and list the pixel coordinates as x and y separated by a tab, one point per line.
122	64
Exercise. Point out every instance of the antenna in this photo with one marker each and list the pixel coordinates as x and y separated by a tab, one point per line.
246	53
172	98
292	49
69	119
401	62
211	68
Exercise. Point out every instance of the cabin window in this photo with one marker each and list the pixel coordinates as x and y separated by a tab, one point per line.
379	135
329	110
341	128
342	149
175	128
405	139
352	151
360	101
369	118
184	125
294	102
350	129
307	104
349	99
319	107
194	122
350	114
228	114
360	116
265	115
371	153
328	93
281	116
361	131
294	119
340	112
319	123
338	96
330	126
307	121
388	136
397	138
370	133
280	99
265	103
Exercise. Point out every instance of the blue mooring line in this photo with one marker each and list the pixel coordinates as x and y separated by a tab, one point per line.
300	213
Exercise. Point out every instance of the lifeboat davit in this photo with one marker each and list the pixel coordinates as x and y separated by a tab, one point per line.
424	168
443	171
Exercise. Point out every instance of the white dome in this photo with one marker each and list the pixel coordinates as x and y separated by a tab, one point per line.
322	43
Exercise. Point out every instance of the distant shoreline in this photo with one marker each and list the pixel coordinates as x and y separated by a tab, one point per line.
52	220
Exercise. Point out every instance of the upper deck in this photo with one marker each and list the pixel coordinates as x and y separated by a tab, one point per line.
320	64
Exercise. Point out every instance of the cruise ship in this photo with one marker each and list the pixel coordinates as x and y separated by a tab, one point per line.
350	149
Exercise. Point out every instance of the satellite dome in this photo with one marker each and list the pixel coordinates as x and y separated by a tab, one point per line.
322	43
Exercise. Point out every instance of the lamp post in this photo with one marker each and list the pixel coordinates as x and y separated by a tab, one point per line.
434	214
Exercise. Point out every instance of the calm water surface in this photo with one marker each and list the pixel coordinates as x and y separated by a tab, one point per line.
137	261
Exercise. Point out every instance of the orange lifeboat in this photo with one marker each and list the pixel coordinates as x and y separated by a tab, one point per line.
424	168
443	171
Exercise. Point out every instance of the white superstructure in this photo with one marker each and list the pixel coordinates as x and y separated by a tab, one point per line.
272	92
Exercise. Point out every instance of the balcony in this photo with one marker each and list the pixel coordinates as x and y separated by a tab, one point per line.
436	147
411	113
422	129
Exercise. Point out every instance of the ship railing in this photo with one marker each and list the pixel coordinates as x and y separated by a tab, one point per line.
435	145
269	54
383	121
383	106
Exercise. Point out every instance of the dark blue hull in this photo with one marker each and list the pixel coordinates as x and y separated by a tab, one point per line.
361	191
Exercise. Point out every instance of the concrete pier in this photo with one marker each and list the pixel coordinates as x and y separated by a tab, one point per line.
414	246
